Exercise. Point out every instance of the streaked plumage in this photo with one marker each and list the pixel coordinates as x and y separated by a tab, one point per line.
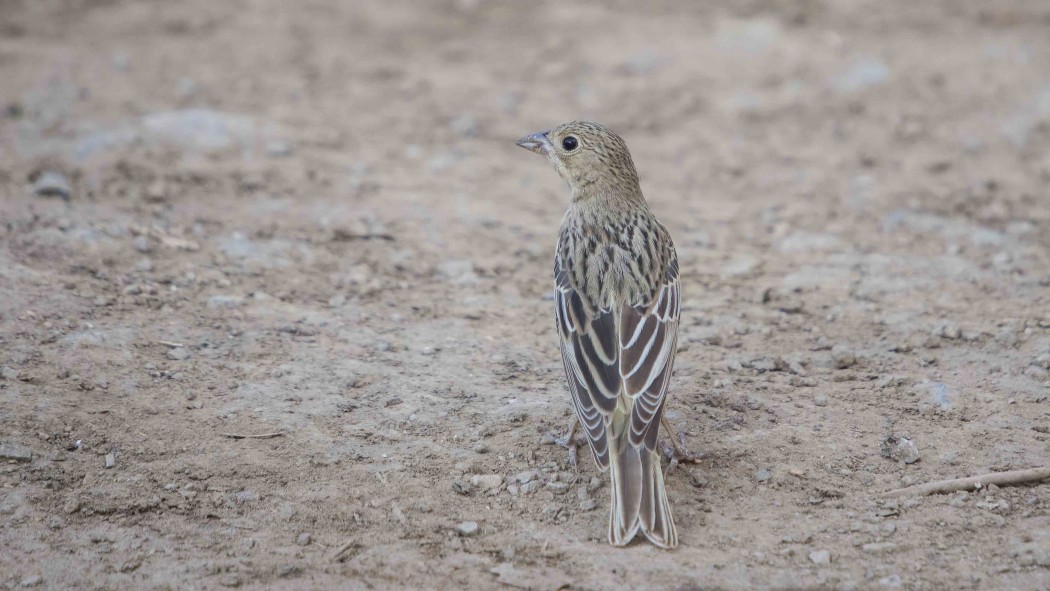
617	305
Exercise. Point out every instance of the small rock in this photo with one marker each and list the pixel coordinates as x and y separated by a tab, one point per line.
278	148
486	481
820	557
218	302
530	487
394	401
32	581
16	452
142	244
842	357
762	475
52	183
111	460
587	504
460	487
156	192
467	529
178	354
557	487
458	272
8	373
948	331
879	547
526	476
820	400
899	449
892	581
304	539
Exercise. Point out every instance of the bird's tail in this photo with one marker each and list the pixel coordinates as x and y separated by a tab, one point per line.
639	500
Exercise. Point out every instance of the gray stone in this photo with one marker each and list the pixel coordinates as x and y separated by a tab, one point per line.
304	539
762	475
201	130
179	354
526	476
32	581
842	357
467	529
820	557
218	302
899	449
16	452
52	183
278	148
142	244
111	460
458	271
486	481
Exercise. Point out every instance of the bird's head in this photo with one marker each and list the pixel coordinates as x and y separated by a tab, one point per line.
589	156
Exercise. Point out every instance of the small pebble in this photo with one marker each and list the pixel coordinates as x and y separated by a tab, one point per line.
32	581
304	539
467	529
820	400
820	557
142	244
278	148
111	460
178	354
762	475
52	183
486	481
899	449
842	357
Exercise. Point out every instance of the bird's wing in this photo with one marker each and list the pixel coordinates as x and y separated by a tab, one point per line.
648	338
591	355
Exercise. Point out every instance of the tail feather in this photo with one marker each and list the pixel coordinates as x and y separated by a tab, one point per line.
639	500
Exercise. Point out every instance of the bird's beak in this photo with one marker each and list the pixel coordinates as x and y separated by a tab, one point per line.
536	142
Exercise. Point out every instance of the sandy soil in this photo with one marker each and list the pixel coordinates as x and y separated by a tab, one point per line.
312	221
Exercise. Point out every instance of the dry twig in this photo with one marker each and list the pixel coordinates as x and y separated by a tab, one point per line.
973	482
342	549
250	436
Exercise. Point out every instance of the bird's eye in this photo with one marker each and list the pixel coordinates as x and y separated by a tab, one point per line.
570	143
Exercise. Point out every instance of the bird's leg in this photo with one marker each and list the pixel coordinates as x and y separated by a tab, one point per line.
568	441
677	452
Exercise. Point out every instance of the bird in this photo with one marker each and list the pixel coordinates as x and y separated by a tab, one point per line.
617	306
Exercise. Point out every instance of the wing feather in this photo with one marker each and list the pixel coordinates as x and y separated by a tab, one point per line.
646	364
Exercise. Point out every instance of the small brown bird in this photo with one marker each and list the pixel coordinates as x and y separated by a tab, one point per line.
617	303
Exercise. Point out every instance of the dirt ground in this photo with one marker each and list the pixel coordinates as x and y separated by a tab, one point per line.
309	220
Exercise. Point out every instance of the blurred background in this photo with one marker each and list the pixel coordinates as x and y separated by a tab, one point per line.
310	219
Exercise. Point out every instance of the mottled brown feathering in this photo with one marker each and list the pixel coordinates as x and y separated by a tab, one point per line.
617	305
